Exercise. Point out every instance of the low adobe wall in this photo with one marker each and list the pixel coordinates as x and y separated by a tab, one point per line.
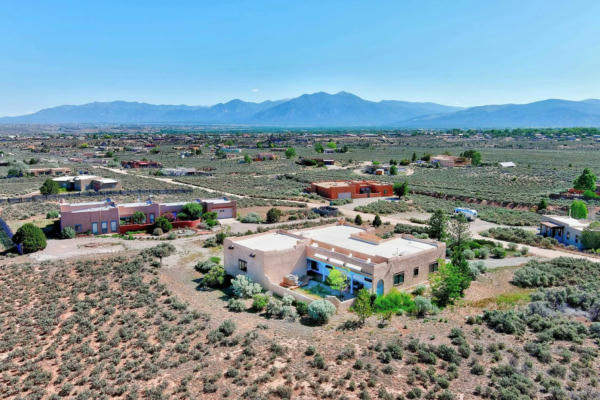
143	227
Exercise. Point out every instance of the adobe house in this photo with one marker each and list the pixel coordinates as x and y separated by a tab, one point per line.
368	261
83	183
140	164
265	157
450	161
49	171
106	216
332	190
565	229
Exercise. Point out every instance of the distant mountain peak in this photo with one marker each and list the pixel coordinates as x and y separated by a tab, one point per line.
341	109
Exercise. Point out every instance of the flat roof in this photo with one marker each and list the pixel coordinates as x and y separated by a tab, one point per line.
340	236
92	209
269	242
347	183
568	221
217	201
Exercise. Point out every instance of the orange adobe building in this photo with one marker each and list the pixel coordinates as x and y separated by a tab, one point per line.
332	190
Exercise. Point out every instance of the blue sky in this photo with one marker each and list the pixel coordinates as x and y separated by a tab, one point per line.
203	52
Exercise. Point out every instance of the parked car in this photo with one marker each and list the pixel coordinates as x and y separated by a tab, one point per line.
470	214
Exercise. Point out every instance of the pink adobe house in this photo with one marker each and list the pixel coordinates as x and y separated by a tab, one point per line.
106	216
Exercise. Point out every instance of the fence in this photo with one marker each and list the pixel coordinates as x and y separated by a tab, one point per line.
78	195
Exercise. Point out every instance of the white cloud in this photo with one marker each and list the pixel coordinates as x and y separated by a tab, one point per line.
254	90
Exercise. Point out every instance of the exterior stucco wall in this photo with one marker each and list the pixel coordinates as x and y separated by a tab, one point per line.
86	219
407	264
265	267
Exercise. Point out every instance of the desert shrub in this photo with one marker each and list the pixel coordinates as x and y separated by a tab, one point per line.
504	321
274	308
595	329
68	233
419	290
394	301
423	306
524	250
227	327
484	253
204	266
320	311
561	270
468	254
157	232
477	369
215	277
236	305
384	207
30	237
259	302
541	351
448	354
244	287
251	218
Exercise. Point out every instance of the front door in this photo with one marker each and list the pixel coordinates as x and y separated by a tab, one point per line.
380	288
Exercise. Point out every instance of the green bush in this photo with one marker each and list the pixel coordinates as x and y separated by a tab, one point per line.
30	237
394	301
273	215
49	187
499	252
52	214
215	277
163	223
192	210
259	302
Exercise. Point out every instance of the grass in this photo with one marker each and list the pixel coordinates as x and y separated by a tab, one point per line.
504	300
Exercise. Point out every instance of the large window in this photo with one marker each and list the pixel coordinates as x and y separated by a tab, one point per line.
94	227
399	278
243	265
433	267
77	227
104	226
113	225
151	218
416	271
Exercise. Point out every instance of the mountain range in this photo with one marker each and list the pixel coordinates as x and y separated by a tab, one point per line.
326	110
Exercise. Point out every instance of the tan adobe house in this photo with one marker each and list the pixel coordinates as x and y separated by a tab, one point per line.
368	261
106	216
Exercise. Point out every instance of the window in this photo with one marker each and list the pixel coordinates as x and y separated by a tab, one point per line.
328	267
113	225
433	267
416	272
384	191
78	228
243	265
368	280
151	218
576	238
104	226
399	278
568	235
94	227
